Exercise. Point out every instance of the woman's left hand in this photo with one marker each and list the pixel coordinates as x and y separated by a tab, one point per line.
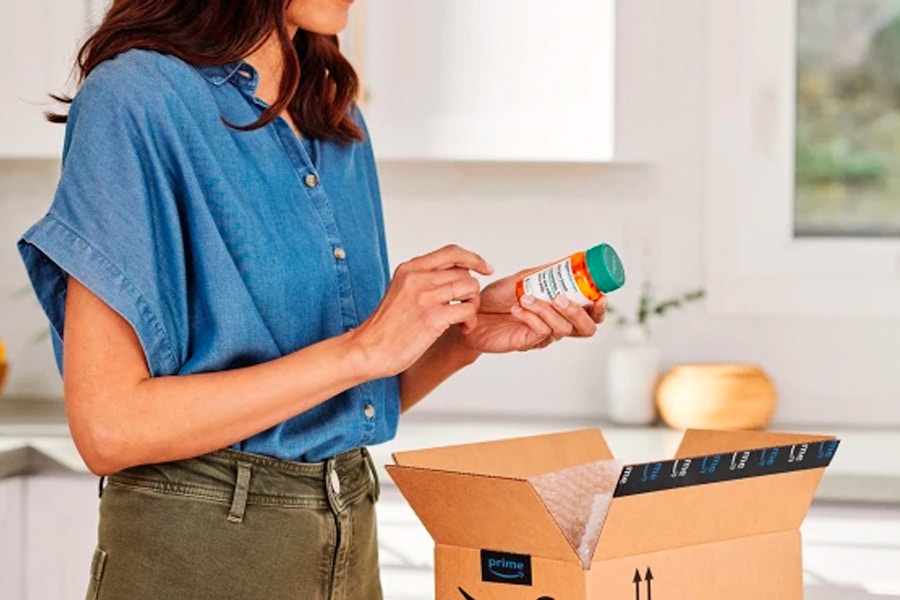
506	324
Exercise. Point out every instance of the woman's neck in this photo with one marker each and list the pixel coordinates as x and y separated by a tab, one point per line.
269	64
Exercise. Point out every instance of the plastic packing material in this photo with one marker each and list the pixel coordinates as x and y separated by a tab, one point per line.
578	499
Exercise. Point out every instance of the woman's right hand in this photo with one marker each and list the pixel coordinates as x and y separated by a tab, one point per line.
426	296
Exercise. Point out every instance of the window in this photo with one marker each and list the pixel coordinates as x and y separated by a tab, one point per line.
847	157
802	228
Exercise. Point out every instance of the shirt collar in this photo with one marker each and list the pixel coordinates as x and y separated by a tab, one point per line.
239	73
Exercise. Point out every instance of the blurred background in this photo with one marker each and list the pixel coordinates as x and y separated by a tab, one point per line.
526	153
743	156
848	118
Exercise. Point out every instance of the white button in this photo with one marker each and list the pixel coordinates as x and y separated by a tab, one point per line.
335	482
311	180
340	253
370	411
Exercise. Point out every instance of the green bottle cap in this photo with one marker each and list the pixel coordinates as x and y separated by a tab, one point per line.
605	268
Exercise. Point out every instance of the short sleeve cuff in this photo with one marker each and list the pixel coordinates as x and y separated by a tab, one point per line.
51	250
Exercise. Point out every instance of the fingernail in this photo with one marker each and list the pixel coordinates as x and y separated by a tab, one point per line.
489	266
527	300
516	309
561	301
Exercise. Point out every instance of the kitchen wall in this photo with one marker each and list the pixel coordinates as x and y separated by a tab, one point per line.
26	188
828	371
836	370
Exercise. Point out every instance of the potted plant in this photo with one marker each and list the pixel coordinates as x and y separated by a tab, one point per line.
633	364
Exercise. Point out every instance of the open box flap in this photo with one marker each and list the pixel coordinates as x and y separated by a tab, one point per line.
704	514
515	458
482	512
696	500
698	442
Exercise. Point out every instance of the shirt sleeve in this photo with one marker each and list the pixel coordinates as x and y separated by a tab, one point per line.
114	222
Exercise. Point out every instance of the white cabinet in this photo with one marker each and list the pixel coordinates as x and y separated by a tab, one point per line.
853	546
511	80
405	549
48	530
38	42
61	524
11	538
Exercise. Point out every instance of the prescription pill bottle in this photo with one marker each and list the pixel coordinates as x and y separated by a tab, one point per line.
582	277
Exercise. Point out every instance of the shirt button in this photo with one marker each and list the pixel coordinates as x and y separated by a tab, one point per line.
370	411
340	253
311	180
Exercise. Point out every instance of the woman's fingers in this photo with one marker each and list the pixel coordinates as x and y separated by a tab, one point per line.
464	288
425	297
452	256
542	332
464	314
444	276
566	318
582	323
598	310
559	324
445	286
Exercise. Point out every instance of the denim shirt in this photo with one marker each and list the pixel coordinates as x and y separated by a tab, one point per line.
222	248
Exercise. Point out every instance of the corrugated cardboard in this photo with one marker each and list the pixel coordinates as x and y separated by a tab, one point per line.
517	519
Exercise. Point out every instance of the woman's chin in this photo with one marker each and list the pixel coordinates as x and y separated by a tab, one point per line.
329	20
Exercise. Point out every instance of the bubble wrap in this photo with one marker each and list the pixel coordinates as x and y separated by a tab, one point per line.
578	499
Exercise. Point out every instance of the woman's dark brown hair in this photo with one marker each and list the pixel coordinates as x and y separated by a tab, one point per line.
219	32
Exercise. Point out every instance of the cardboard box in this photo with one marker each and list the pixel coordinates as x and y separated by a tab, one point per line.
555	517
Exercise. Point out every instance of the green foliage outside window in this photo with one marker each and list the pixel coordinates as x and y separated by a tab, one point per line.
848	118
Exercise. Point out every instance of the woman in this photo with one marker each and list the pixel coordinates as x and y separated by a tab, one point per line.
214	270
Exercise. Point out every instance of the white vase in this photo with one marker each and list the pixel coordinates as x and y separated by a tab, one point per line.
632	371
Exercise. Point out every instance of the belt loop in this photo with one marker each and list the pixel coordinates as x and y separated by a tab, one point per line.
332	482
241	489
373	472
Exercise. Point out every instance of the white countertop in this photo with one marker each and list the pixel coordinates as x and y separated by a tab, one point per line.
864	469
836	593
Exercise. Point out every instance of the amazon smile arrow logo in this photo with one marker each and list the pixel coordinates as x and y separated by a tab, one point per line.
468	597
465	595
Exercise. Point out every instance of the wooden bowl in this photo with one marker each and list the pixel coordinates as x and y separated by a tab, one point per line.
716	396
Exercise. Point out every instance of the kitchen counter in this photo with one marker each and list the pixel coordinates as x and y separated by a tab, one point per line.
32	417
838	593
848	544
34	437
863	470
